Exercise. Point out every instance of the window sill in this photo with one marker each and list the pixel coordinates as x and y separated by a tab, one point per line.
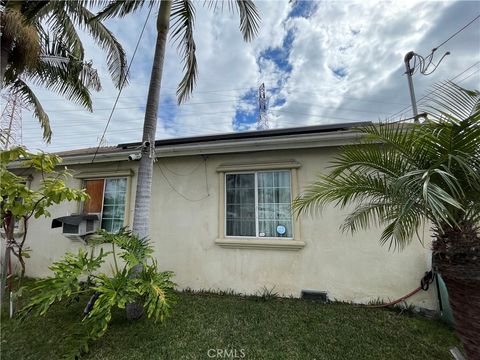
261	244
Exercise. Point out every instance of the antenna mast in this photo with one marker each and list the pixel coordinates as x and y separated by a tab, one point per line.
262	122
11	121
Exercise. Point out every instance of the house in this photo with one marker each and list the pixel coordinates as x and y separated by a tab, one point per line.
221	219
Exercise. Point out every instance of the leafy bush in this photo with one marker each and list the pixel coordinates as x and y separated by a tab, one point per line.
138	280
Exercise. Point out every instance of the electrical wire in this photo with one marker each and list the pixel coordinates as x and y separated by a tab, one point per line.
123	83
187	174
82	122
178	192
200	128
174	106
406	108
458	32
143	106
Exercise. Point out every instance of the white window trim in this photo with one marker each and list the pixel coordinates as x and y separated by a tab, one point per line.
257	234
266	243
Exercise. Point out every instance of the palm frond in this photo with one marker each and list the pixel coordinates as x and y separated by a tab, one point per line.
68	79
367	215
374	157
402	229
183	18
29	97
116	58
342	190
401	138
114	8
431	194
63	30
77	70
249	19
249	16
450	101
62	17
402	175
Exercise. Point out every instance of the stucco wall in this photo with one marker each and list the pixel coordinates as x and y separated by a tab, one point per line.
184	229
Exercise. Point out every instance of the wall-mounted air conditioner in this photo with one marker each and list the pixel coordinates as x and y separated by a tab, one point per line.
76	227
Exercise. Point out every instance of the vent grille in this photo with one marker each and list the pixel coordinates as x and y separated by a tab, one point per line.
90	225
70	229
315	295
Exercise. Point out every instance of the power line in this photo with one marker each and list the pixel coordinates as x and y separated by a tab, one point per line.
458	32
200	128
441	86
94	98
82	122
326	117
218	93
424	64
174	106
406	108
123	83
469	76
141	107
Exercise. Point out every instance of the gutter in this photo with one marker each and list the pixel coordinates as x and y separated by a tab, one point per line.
225	146
230	146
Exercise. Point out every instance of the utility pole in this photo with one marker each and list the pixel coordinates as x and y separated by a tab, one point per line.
409	71
262	122
423	67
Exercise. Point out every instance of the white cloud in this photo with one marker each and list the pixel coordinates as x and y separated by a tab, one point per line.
364	41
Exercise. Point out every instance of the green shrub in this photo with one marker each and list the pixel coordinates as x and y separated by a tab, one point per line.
138	280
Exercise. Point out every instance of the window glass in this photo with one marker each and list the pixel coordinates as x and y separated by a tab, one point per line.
240	205
274	199
114	204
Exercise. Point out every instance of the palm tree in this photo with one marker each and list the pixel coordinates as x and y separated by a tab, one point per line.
405	175
40	45
182	15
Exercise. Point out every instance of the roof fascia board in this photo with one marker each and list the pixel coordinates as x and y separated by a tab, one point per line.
251	145
286	142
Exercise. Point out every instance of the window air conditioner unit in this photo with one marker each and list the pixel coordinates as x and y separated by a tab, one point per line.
76	227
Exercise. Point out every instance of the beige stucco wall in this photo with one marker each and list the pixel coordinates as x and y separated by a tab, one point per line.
183	232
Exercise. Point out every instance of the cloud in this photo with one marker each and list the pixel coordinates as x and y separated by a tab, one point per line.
321	62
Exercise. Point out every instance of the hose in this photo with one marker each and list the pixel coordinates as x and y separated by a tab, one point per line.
425	282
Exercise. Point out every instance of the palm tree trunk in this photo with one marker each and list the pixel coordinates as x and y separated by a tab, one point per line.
464	298
145	169
456	255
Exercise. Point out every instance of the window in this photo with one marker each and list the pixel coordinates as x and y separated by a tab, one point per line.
107	198
258	204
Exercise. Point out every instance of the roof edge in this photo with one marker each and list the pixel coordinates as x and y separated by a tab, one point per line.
253	134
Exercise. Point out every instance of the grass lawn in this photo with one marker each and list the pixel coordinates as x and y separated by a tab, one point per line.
256	329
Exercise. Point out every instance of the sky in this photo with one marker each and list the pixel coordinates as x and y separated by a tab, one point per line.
322	62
